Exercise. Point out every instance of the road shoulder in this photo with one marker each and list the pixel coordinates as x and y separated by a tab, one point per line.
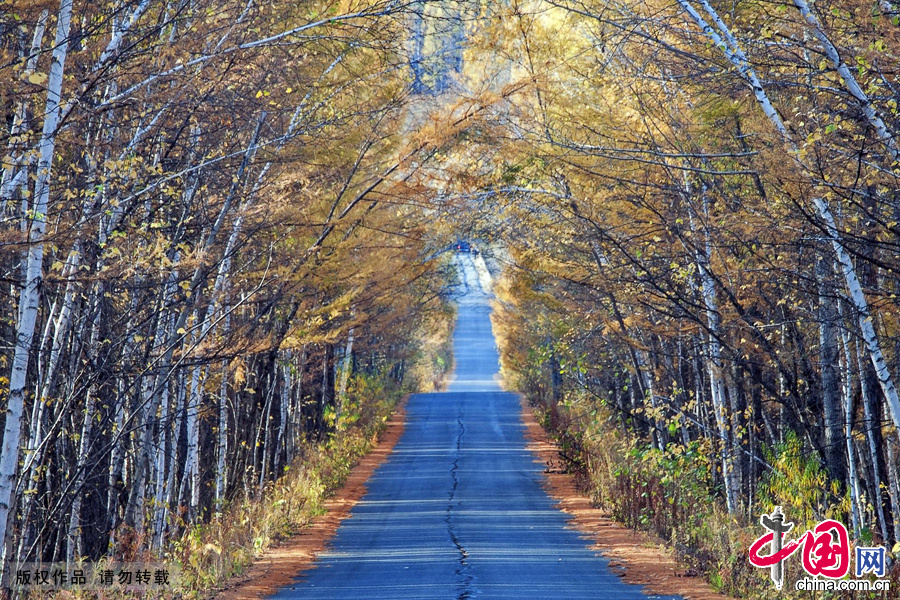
635	556
282	564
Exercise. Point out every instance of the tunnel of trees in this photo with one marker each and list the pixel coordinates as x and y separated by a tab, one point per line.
222	226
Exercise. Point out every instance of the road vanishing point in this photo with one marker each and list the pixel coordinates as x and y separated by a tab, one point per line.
457	511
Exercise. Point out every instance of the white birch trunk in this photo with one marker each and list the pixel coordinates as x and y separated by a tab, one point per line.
828	367
852	472
46	378
192	466
29	298
735	55
222	448
284	406
159	471
120	30
11	179
717	388
871	423
75	545
297	408
645	374
262	438
34	449
860	304
715	367
208	244
151	397
169	492
849	80
116	460
346	365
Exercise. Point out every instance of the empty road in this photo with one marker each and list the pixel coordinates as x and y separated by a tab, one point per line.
457	511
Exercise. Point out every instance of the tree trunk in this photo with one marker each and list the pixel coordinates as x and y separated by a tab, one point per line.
733	52
222	433
893	476
849	82
326	397
346	367
872	412
828	366
29	298
282	445
861	305
11	178
852	471
76	538
714	362
191	477
116	464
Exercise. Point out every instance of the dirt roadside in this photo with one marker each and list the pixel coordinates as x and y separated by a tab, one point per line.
635	556
281	564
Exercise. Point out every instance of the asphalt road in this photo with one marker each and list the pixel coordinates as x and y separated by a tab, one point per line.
457	511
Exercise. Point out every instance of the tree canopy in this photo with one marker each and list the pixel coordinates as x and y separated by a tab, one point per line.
213	212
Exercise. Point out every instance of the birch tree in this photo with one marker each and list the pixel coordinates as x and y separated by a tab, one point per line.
29	296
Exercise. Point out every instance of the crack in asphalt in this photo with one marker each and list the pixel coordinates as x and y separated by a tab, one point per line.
463	570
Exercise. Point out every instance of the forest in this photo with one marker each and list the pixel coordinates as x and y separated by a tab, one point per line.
224	234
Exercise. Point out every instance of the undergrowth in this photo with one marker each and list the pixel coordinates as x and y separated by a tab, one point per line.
208	554
212	553
670	493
